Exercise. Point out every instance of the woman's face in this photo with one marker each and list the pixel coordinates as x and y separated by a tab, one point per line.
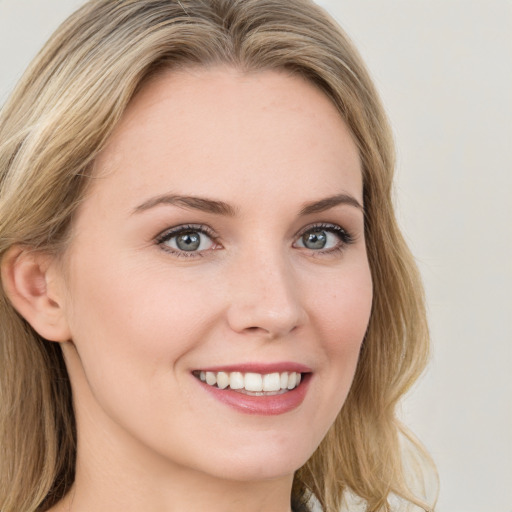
222	239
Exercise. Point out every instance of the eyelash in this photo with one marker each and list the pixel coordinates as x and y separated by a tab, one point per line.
344	236
169	234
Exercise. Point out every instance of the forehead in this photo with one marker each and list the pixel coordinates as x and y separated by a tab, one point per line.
219	129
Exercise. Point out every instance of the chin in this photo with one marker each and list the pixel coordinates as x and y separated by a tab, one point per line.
267	470
261	461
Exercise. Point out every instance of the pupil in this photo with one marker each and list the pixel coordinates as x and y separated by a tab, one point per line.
188	241
315	240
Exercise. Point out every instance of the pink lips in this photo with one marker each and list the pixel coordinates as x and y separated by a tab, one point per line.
265	405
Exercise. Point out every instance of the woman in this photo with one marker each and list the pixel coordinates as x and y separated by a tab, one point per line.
206	301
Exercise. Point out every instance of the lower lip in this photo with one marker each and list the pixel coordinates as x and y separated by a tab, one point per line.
265	405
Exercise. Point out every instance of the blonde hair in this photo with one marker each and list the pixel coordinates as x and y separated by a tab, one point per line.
52	128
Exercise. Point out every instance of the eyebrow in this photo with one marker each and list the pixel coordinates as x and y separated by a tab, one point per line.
221	208
190	202
330	202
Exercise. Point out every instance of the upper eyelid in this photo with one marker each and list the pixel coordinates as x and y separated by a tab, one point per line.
211	232
174	231
322	225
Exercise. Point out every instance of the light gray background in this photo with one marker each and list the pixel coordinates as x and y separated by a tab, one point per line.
444	69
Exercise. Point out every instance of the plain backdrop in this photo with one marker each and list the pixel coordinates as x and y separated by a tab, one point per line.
444	70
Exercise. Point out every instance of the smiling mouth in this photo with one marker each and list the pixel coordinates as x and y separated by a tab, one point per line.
249	383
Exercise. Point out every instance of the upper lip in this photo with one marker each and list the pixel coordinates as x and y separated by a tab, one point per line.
263	368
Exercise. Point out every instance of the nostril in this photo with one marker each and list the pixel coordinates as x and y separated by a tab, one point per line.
259	330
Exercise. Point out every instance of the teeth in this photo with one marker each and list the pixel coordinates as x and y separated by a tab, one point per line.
211	378
236	380
272	382
222	380
252	382
292	380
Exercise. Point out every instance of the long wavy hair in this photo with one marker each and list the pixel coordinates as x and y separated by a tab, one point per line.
52	128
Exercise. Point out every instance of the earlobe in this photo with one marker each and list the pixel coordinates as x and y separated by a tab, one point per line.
29	284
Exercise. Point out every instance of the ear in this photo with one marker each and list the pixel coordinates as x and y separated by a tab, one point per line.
32	283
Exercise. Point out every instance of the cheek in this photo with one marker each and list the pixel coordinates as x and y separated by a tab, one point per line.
341	317
132	321
142	311
344	309
134	337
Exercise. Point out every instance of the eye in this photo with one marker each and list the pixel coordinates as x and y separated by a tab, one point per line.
324	238
187	239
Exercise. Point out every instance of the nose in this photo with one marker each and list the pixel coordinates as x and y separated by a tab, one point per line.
265	297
